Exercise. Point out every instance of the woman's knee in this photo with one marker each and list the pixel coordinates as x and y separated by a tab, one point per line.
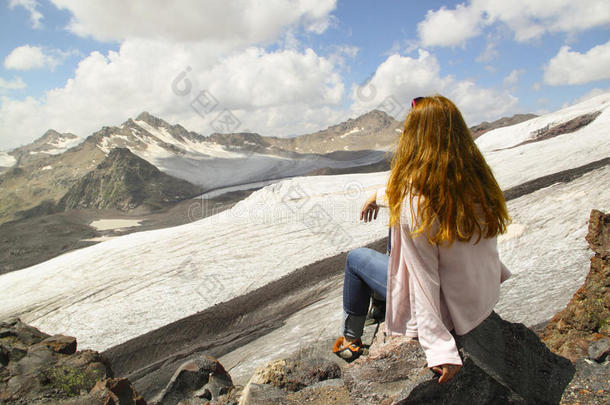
354	256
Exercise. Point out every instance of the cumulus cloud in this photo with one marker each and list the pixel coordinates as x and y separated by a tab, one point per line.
569	67
15	84
527	19
340	53
217	46
32	7
238	22
274	93
28	57
401	78
445	27
513	77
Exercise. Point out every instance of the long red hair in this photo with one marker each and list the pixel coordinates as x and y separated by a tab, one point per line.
437	161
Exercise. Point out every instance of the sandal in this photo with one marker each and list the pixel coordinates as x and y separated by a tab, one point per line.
350	352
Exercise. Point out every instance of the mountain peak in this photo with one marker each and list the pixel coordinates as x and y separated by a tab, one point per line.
144	116
52	135
124	181
376	114
151	120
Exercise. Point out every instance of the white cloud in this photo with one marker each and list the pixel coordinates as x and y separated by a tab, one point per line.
449	27
342	52
31	6
513	77
401	78
28	57
490	69
568	67
527	19
238	22
219	44
15	84
489	53
274	93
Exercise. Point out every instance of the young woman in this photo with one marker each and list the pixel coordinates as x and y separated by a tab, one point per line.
443	273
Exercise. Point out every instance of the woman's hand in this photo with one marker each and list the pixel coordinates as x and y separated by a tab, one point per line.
447	371
369	209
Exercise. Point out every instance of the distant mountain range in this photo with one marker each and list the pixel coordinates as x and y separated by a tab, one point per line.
48	169
485	126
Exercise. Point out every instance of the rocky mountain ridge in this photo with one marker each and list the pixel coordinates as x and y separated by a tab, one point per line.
50	143
125	181
42	171
485	126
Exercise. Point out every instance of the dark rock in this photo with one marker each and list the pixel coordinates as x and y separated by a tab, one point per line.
471	385
516	358
503	363
3	356
60	344
117	391
16	334
599	349
598	235
203	376
42	369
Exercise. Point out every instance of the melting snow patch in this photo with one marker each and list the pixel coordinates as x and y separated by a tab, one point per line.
353	131
105	224
6	160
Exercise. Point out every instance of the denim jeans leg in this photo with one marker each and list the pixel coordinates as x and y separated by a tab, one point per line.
365	272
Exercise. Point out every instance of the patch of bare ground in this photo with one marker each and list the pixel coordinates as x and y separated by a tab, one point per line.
551	131
39	237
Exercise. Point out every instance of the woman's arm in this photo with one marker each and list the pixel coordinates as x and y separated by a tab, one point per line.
380	197
421	258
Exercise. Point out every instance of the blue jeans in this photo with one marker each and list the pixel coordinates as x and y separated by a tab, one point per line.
366	272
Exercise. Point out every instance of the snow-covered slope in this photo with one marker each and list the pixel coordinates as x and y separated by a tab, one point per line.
113	291
507	137
515	165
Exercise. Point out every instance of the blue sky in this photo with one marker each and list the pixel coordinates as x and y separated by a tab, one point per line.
288	67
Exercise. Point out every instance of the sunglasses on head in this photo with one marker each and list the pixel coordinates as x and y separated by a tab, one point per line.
415	101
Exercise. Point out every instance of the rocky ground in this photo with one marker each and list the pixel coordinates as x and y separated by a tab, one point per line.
566	363
37	369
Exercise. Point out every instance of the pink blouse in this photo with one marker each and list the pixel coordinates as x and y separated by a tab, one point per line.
433	289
